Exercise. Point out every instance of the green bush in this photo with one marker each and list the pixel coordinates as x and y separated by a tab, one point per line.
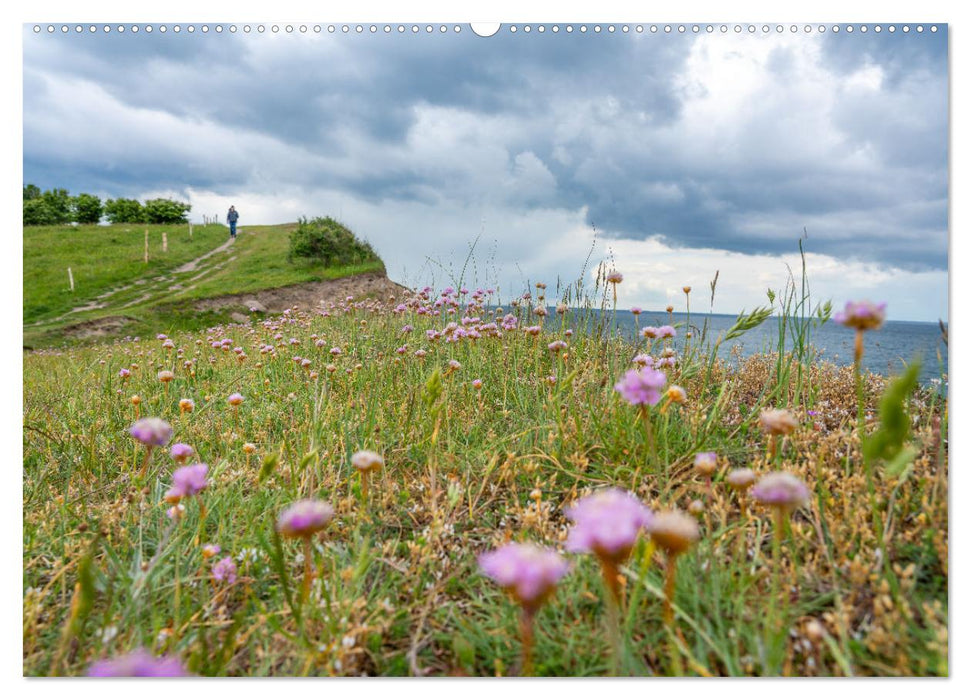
327	241
31	192
38	212
124	211
166	211
87	208
59	203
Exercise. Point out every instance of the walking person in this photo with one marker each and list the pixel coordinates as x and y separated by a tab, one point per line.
232	217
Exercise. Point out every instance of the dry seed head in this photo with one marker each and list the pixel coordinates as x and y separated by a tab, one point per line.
673	531
367	461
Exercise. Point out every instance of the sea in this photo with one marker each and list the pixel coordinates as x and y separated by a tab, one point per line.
886	352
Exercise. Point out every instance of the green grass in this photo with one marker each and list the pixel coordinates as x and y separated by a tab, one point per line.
398	590
110	259
101	258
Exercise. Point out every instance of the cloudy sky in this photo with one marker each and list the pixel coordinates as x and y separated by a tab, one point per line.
685	153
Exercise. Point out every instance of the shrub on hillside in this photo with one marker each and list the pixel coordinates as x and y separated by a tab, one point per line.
38	212
46	208
329	242
87	208
166	211
59	202
124	211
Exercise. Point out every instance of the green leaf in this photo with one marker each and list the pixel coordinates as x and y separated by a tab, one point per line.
307	459
86	588
463	650
896	466
887	442
270	463
433	388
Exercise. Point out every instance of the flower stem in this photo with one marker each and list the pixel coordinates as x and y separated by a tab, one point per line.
776	618
148	456
612	580
527	637
307	570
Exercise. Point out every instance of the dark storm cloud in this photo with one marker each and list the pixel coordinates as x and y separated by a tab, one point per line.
900	55
854	150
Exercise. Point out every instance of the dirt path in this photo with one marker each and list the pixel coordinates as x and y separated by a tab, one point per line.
158	285
193	264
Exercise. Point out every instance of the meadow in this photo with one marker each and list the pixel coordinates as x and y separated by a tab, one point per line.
488	426
113	281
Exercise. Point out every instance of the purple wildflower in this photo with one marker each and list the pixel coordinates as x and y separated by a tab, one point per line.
607	523
180	452
151	431
781	490
139	663
187	481
528	572
862	315
224	570
304	518
641	386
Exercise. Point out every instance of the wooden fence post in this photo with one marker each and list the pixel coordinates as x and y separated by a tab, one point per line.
165	242
146	245
70	278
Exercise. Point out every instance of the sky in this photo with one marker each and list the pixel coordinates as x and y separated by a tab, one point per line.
670	156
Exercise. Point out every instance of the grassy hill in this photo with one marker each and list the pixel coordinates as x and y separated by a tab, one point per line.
112	280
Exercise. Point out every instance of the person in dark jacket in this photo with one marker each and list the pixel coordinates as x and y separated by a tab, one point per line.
232	217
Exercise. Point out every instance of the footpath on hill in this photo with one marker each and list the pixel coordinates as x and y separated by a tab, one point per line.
123	309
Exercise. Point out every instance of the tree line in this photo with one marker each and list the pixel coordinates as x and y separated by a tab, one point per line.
57	206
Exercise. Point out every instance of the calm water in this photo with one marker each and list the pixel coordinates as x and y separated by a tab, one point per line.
886	349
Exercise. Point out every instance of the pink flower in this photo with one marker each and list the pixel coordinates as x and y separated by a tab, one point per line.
641	386
643	360
740	479
615	277
607	523
780	489
235	399
666	332
151	431
862	315
180	452
304	518
139	663
187	481
528	572
224	570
